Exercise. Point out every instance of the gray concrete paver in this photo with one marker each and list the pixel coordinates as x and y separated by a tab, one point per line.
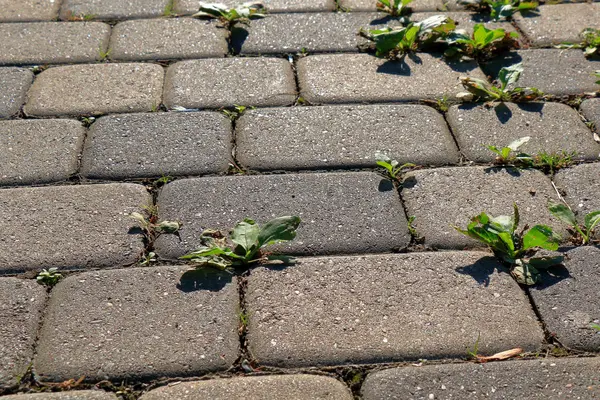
157	144
445	197
112	9
52	42
171	38
590	109
94	89
274	387
39	151
294	138
569	306
70	395
139	323
382	308
553	71
571	378
558	23
215	83
273	6
340	212
69	226
14	83
553	128
352	78
20	311
28	10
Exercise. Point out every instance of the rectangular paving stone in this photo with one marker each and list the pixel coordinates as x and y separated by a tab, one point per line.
551	378
39	151
70	395
558	23
553	71
313	32
157	144
368	5
95	89
340	212
446	197
20	311
294	138
139	323
568	300
154	39
226	82
553	128
28	10
382	308
580	187
273	6
53	42
273	387
352	78
590	109
14	83
69	226
112	9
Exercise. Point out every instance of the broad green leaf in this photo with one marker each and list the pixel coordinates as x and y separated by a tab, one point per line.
433	22
387	41
540	236
502	223
245	234
516	217
562	212
411	35
208	252
139	218
545	262
596	327
385	165
525	274
278	230
506	152
386	3
495	150
514	146
527	5
379	156
591	220
510	75
507	239
479	88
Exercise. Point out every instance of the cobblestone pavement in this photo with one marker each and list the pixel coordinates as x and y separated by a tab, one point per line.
109	107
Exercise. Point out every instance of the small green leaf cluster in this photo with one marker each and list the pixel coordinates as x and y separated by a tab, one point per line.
392	167
150	224
548	162
597	75
518	249
229	16
500	9
566	215
236	112
395	8
49	277
590	43
249	240
479	89
482	44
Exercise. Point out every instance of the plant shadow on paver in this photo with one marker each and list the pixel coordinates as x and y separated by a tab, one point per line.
512	171
386	19
238	38
504	113
399	66
385	185
209	279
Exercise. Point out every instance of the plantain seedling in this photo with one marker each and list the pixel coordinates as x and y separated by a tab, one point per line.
590	43
482	44
392	167
499	9
152	228
49	277
396	8
566	215
597	75
517	249
249	241
506	155
479	89
236	112
230	16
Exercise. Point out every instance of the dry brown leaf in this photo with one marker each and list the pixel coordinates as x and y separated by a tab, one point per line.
503	355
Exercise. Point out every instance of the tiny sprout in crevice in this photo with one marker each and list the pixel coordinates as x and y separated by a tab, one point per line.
49	277
499	9
590	43
582	234
230	16
393	169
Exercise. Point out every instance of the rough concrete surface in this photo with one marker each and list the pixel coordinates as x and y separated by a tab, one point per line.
20	312
591	111
340	212
39	151
553	128
157	144
353	78
381	308
139	323
14	83
112	9
72	395
568	300
446	197
305	137
273	6
95	89
558	23
227	82
553	71
153	39
563	378
53	42
69	226
274	387
28	10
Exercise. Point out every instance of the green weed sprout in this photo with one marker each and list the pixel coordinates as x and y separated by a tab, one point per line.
483	43
395	8
249	242
49	277
547	162
229	16
392	167
566	215
482	90
505	155
499	9
517	249
597	75
590	43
